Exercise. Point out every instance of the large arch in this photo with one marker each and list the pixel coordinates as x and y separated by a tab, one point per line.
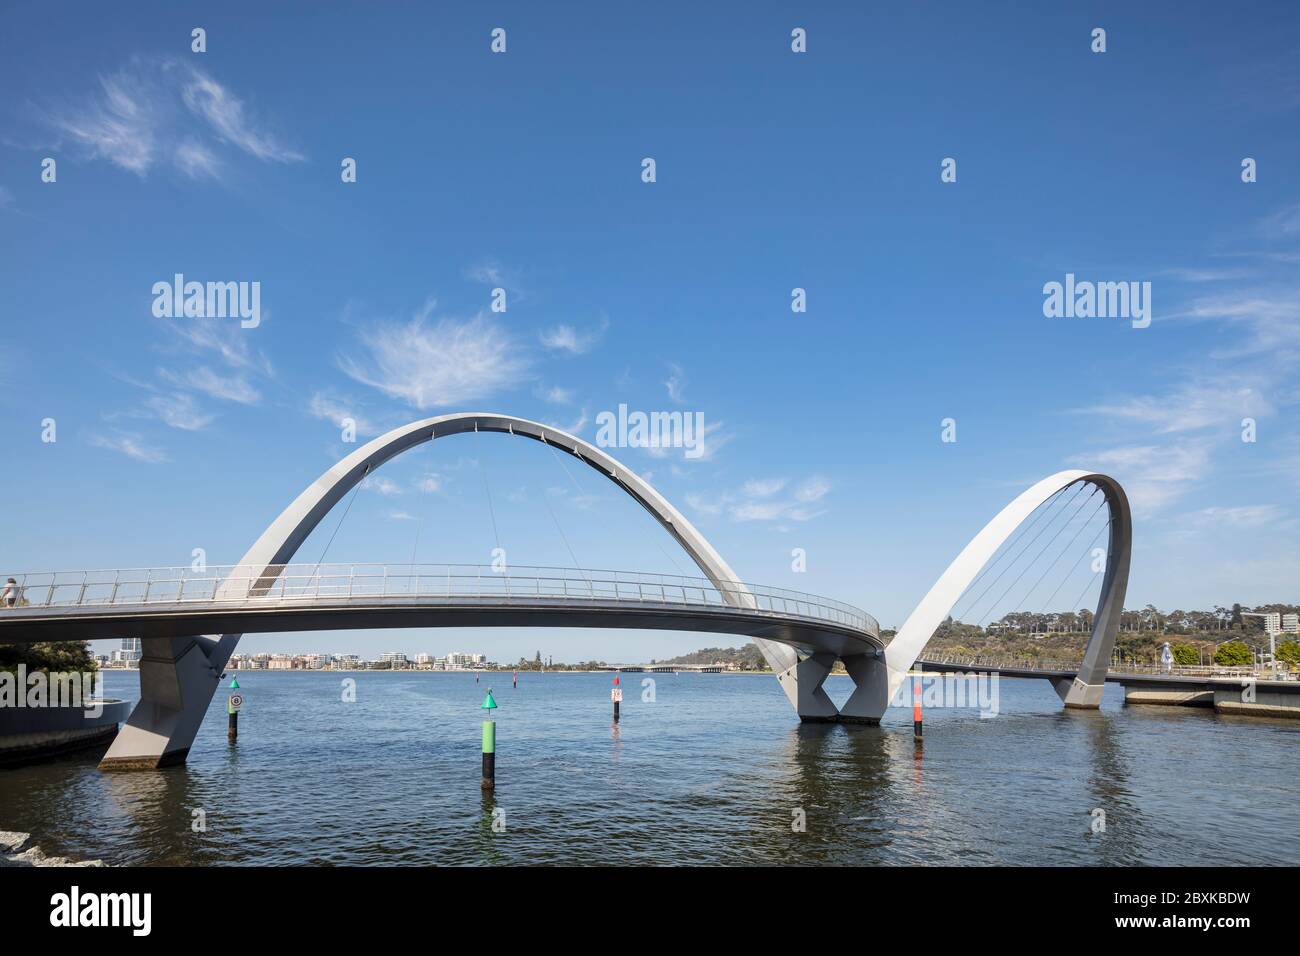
178	676
879	678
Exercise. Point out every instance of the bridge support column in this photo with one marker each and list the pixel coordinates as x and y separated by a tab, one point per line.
802	683
870	696
177	681
1079	694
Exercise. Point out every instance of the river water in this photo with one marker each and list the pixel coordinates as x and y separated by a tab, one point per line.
715	769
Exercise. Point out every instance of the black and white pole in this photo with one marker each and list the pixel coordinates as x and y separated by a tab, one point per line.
616	695
235	702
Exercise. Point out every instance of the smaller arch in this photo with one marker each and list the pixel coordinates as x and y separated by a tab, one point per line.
878	679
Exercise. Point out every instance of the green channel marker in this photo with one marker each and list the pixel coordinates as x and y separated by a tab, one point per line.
489	744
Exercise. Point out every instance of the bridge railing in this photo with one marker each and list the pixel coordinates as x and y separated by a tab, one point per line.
308	583
1116	668
1001	663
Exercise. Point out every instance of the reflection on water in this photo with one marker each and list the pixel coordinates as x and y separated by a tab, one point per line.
714	770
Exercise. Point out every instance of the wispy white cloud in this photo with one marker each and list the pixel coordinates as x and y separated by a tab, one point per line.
716	436
224	340
556	395
131	445
762	487
1284	223
577	425
179	411
676	383
381	485
450	362
567	338
1241	516
229	388
1206	275
1269	316
488	272
226	115
1153	475
760	499
327	407
197	161
1190	407
156	111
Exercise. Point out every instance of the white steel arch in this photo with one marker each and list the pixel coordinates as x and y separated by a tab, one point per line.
179	675
879	678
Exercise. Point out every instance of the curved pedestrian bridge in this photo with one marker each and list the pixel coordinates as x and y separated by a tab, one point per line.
170	602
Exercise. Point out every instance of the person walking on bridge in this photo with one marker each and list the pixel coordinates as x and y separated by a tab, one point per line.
11	593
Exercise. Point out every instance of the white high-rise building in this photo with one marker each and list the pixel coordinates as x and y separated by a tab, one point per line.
129	653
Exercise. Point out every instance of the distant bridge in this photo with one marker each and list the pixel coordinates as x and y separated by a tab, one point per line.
1234	690
664	668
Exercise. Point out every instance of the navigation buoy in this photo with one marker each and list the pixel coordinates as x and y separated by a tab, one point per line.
916	704
616	695
489	744
235	702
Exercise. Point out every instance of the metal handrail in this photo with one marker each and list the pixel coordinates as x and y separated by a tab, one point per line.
1121	669
232	584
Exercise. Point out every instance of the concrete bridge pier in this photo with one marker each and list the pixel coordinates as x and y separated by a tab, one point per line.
177	681
1078	694
870	697
802	683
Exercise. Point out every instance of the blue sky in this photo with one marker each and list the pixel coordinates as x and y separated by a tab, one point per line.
775	170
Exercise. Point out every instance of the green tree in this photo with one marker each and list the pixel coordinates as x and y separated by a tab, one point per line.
1233	654
1185	654
1289	652
49	656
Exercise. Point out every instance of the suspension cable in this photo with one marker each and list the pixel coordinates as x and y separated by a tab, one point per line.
1083	555
482	467
1068	544
1029	544
1085	590
1064	525
419	526
1006	549
348	508
577	565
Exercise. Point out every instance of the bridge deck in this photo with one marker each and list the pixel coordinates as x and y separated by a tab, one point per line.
177	602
